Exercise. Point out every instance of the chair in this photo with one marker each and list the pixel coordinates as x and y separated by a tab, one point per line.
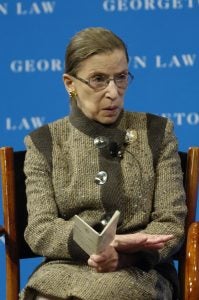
15	218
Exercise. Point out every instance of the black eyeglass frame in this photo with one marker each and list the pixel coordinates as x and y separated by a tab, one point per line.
87	82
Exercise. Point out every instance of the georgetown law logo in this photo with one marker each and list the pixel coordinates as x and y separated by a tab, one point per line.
24	123
135	62
148	5
22	8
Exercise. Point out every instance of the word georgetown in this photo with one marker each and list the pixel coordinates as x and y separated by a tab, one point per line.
148	5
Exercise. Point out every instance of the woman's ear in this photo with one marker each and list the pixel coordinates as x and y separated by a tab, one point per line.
68	82
70	86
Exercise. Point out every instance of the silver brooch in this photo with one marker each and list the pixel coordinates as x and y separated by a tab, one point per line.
131	136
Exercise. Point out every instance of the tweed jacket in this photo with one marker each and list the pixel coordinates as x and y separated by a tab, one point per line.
62	163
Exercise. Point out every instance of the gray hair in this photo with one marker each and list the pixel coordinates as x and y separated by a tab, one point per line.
88	42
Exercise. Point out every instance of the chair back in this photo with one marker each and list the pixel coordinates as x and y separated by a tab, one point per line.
21	209
15	217
190	169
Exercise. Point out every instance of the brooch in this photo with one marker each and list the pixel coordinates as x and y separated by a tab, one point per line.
131	136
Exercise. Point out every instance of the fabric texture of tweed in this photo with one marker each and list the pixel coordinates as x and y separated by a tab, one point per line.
61	167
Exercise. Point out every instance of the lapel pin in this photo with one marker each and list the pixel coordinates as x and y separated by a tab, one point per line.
131	136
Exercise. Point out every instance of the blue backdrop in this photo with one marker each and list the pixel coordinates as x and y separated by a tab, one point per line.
163	43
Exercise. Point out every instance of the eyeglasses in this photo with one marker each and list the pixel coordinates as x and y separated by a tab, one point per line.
101	81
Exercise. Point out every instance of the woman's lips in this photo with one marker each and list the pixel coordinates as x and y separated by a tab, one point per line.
111	110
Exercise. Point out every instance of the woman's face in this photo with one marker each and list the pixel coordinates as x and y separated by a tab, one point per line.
105	105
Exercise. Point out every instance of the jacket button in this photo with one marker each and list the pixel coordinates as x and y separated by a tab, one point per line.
101	177
101	141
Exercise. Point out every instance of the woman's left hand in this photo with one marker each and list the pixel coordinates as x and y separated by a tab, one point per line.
106	261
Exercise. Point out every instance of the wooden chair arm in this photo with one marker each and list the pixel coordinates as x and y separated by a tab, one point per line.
2	230
192	263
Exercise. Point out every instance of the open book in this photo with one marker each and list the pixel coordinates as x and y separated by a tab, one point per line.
92	241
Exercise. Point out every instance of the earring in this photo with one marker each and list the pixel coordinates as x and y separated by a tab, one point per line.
73	94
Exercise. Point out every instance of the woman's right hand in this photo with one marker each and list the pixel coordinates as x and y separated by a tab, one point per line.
130	243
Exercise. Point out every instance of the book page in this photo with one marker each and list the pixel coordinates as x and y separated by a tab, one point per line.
90	240
85	236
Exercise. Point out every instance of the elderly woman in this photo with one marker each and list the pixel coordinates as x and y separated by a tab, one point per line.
99	159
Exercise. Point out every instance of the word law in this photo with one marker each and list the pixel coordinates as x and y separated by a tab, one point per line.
33	8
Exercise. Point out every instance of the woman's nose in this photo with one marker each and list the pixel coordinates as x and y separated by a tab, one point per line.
112	89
